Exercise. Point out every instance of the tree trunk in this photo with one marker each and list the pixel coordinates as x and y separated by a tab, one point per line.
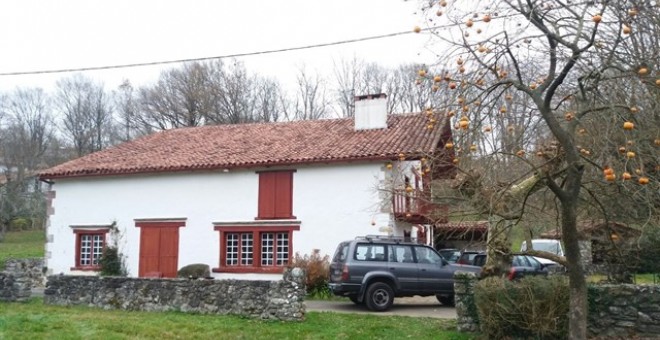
577	315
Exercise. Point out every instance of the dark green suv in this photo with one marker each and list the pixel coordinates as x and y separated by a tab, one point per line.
373	270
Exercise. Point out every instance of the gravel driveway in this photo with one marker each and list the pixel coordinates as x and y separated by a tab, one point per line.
411	306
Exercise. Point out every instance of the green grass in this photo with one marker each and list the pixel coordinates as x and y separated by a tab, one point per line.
34	320
637	278
22	244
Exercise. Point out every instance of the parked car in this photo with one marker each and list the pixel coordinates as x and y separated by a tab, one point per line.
547	245
450	254
373	270
467	256
521	265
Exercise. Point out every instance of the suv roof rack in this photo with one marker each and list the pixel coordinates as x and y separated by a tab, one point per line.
372	238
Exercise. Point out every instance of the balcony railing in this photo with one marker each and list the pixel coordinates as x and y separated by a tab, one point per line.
416	207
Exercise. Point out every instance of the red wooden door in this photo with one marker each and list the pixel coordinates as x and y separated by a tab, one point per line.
159	251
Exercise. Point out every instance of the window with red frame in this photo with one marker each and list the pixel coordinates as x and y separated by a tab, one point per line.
275	195
257	250
89	248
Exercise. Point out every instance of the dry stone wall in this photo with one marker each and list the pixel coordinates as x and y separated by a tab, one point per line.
624	310
32	269
14	288
273	300
615	310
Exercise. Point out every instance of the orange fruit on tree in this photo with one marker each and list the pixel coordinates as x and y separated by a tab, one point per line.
610	177
596	18
569	116
643	180
643	71
438	13
449	145
626	176
443	3
463	124
608	171
503	109
417	29
469	23
488	129
634	109
628	125
452	85
657	142
626	29
632	12
473	147
630	154
437	79
486	18
622	149
421	73
520	153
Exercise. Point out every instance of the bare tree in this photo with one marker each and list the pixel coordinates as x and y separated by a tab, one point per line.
182	97
311	101
564	64
128	110
24	140
86	113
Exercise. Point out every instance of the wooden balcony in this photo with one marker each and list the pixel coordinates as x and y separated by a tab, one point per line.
416	208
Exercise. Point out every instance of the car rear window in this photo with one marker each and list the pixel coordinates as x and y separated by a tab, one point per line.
341	253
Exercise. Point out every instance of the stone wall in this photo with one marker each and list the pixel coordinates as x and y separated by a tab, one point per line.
624	310
615	310
32	269
14	288
467	319
276	300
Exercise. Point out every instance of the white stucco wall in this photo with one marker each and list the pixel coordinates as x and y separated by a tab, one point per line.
333	202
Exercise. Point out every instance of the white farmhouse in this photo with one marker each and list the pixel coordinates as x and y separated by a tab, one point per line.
245	198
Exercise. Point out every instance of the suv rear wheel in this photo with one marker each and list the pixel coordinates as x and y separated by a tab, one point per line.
446	300
380	296
354	299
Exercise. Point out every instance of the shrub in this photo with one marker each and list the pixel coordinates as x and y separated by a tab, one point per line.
649	251
533	307
112	262
317	269
19	224
194	271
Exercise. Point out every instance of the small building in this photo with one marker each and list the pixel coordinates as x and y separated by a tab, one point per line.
600	240
245	198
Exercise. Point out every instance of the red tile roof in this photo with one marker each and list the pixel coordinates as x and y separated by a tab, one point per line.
464	226
258	145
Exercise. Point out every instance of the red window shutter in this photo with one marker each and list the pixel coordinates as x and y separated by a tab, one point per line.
267	182
275	195
284	195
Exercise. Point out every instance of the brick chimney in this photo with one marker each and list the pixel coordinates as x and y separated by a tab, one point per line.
371	112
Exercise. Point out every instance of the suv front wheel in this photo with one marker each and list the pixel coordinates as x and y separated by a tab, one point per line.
380	297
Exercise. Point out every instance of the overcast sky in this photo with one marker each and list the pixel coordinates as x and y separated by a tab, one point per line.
46	35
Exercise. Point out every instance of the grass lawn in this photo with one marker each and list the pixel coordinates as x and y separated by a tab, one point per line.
22	244
34	320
